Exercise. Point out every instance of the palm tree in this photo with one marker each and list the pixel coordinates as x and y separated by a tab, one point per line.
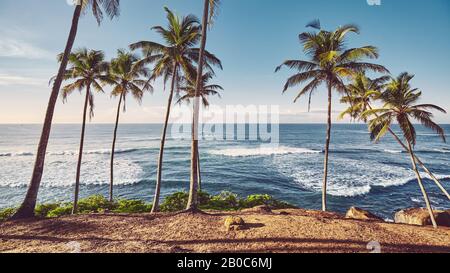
329	63
361	93
400	105
125	75
111	7
87	69
173	60
189	89
210	9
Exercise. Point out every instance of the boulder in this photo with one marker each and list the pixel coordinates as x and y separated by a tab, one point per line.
234	223
360	214
421	217
259	209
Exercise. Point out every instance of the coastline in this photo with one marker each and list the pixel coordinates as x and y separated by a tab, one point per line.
281	231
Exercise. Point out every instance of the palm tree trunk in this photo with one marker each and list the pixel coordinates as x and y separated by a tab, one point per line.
80	153
432	176
155	207
111	184
199	173
27	207
422	188
193	187
327	148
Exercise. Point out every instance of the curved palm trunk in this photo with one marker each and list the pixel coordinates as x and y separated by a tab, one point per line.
327	148
193	186
27	207
432	176
155	207
80	153
111	183
422	188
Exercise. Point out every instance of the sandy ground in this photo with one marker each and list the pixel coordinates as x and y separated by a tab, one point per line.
298	231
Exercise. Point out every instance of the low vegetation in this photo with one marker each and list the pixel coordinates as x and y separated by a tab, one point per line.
225	201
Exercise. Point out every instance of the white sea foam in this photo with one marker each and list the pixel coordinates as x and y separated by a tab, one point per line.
93	172
393	151
346	177
16	154
246	152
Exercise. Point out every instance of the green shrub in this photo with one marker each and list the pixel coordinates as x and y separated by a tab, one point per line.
94	204
263	199
60	211
224	201
6	213
175	202
132	206
42	210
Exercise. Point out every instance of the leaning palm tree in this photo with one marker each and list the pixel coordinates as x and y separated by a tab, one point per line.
111	7
125	76
330	62
210	9
87	70
172	61
400	105
188	88
361	93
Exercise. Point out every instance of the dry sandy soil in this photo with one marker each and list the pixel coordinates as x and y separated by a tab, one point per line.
298	231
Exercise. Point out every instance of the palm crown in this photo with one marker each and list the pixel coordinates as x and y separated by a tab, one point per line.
125	75
400	105
188	88
180	36
360	93
88	69
98	7
329	60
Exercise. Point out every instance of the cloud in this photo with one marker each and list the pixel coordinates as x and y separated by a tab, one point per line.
8	80
13	48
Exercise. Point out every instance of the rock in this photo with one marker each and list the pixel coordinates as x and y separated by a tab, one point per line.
421	217
360	214
259	209
234	223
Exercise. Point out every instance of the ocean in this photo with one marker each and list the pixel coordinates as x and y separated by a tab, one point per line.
377	177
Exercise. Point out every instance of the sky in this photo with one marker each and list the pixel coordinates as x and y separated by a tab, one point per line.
251	37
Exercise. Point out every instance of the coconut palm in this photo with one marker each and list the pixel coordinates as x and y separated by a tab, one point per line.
400	105
87	69
330	62
361	93
188	88
125	77
98	7
210	10
171	61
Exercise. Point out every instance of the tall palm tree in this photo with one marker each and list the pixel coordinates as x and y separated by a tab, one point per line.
361	93
88	70
400	105
111	7
173	60
210	8
125	75
189	88
330	62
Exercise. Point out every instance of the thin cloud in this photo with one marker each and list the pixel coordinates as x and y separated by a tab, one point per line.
8	80
12	48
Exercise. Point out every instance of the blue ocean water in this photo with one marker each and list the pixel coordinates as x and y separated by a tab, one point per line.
377	177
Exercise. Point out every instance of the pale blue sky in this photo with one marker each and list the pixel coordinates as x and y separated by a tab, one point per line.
251	37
